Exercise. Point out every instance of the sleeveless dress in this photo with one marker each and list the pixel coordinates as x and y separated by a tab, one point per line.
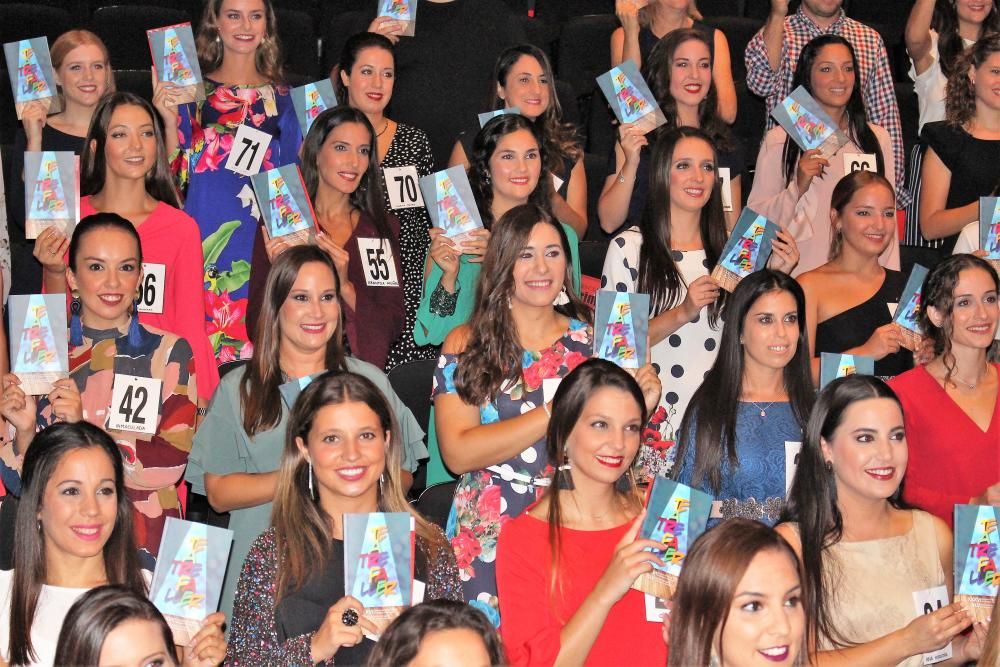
486	499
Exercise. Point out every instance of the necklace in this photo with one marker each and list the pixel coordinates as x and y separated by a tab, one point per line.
763	410
973	385
384	128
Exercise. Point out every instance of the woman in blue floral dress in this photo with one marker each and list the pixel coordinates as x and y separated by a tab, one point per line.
492	384
239	57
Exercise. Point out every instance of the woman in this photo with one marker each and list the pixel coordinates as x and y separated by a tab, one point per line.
643	24
524	81
365	78
124	171
342	453
490	404
111	625
342	179
670	256
237	449
111	354
848	299
960	164
244	86
863	552
952	404
937	33
442	633
679	74
74	532
565	566
740	594
792	187
755	399
82	70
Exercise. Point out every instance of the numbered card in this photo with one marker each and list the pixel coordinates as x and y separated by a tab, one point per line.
248	151
833	365
793	451
379	262
860	162
151	289
977	548
487	116
908	312
450	202
190	570
284	205
726	188
403	11
175	60
808	125
630	97
746	251
135	404
557	182
51	192
621	328
378	563
989	230
928	601
311	100
403	186
656	609
549	387
39	351
32	78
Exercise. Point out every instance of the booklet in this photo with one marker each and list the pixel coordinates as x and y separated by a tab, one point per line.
908	311
32	78
833	365
746	251
630	97
621	328
404	11
175	60
285	208
989	229
311	100
51	191
977	547
450	203
378	563
190	570
487	116
676	515
805	122
39	340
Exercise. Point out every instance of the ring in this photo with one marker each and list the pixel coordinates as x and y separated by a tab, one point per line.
349	617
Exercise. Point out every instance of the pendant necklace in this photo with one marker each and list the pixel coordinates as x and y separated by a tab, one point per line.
763	410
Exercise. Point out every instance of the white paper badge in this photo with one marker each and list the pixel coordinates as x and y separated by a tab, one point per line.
402	184
656	609
860	162
726	175
380	267
792	451
927	601
135	404
549	386
892	306
154	278
557	182
418	591
249	148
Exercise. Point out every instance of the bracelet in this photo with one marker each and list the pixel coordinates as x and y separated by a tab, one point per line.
443	303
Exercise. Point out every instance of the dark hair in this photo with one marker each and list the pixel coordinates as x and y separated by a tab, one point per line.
960	99
712	572
709	424
857	119
844	192
354	45
96	614
939	291
259	393
368	195
493	354
93	165
121	559
951	46
659	276
483	147
812	500
267	58
100	220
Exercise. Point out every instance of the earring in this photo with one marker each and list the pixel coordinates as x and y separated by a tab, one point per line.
381	485
487	178
312	494
75	325
134	332
562	298
563	472
625	483
508	303
828	465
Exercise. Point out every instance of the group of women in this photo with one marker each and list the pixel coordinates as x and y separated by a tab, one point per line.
270	361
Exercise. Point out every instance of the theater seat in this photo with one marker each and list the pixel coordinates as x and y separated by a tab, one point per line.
585	51
738	31
299	44
135	81
123	29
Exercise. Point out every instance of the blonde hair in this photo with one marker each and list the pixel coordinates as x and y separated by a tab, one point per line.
209	43
647	13
70	40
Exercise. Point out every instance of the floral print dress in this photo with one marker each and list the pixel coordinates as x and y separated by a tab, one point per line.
486	499
222	201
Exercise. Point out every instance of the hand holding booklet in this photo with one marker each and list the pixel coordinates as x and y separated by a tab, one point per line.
808	125
378	563
630	97
175	60
284	204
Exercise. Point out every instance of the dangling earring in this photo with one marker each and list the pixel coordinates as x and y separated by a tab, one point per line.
565	476
381	485
312	494
828	465
75	325
487	177
625	483
134	332
509	306
562	298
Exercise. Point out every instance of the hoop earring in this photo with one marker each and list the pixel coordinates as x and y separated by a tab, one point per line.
312	493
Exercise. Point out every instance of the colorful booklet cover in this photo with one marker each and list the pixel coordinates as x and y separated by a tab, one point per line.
284	205
290	390
39	340
378	563
51	191
175	60
630	97
833	366
908	311
977	547
190	570
404	11
450	203
487	116
32	78
311	100
747	249
676	515
989	229
806	122
621	328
